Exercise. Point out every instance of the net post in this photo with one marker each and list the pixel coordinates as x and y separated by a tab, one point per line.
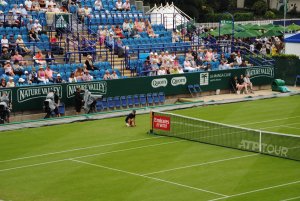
151	121
260	142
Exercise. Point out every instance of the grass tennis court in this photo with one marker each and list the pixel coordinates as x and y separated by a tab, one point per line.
104	160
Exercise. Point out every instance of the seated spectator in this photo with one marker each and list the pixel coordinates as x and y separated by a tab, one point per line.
10	82
222	57
107	75
209	55
28	5
4	42
80	13
175	70
8	69
231	59
41	75
21	45
215	55
248	83
33	76
125	26
35	5
30	24
142	24
223	65
49	73
21	82
189	55
18	70
120	48
78	74
59	79
119	5
3	3
86	76
236	85
89	63
12	44
199	62
23	11
15	9
19	58
134	33
207	67
138	25
37	27
5	55
146	68
126	6
162	70
242	83
175	36
33	36
243	64
87	11
238	59
131	24
39	58
72	78
151	32
119	32
98	5
3	83
2	19
114	75
50	58
110	40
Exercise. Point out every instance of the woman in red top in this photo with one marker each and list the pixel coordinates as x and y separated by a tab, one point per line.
119	32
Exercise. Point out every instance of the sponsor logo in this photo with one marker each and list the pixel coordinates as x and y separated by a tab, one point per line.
261	72
204	78
175	81
271	149
25	94
161	123
94	87
163	82
8	92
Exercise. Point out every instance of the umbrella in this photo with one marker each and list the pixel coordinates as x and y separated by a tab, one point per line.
293	27
255	33
244	34
272	33
277	28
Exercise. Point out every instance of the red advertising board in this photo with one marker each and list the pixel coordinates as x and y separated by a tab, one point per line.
161	123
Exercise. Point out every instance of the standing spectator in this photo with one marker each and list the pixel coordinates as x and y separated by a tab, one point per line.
78	100
126	6
119	5
28	5
10	82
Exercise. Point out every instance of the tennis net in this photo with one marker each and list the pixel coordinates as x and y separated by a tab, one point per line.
275	144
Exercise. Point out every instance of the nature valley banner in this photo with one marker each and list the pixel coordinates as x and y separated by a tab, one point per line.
32	97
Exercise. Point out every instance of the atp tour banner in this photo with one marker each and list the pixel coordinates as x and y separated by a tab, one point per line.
32	97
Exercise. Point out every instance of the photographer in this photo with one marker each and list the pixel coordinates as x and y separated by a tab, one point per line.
5	107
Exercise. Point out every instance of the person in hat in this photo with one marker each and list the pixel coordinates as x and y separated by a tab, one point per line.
59	79
42	75
23	10
21	46
89	63
87	76
21	82
114	75
10	82
107	75
130	119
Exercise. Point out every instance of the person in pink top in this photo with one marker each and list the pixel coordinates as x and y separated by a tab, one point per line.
138	25
42	75
18	57
49	73
209	55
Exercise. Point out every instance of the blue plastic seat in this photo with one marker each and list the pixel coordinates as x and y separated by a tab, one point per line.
150	99
124	101
162	97
130	101
117	102
155	98
111	103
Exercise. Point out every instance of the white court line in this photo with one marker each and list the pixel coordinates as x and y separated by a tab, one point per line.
90	155
201	164
258	190
78	149
259	122
278	126
148	177
292	198
291	127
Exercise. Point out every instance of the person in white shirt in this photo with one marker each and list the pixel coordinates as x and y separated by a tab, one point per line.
126	26
126	6
119	5
55	9
15	9
4	41
23	11
223	65
98	5
86	76
37	26
187	65
248	83
239	59
28	4
162	70
114	75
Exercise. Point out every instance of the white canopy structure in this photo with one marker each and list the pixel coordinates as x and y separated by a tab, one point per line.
169	15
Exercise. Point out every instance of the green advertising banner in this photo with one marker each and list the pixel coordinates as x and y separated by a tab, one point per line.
31	97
